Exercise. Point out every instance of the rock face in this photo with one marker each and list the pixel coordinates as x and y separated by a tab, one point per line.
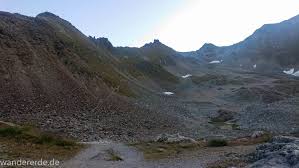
174	138
257	134
102	42
281	152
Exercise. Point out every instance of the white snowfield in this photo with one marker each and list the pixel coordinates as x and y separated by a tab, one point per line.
168	93
292	72
216	62
186	76
296	74
289	72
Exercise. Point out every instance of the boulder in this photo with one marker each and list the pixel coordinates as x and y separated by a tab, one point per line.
257	134
223	115
174	138
280	152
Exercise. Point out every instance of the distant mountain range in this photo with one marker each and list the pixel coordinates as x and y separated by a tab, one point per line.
271	46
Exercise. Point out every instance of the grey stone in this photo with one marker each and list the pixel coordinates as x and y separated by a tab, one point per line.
257	134
174	138
281	152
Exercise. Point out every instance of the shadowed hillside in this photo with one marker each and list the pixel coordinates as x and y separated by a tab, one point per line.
55	77
272	47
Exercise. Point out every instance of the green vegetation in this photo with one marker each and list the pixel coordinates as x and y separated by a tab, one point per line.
81	57
10	132
29	142
141	69
157	150
217	143
28	135
53	140
225	125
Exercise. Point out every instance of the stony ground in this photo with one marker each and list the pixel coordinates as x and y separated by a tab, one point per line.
251	102
282	152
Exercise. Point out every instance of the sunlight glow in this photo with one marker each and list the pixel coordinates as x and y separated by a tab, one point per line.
221	22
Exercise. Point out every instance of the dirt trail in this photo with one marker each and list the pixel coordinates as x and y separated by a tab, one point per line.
95	156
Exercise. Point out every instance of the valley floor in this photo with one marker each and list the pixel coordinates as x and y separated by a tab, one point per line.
216	104
220	103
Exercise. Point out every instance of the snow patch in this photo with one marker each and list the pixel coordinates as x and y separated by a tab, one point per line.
168	93
254	66
296	74
216	62
290	72
186	76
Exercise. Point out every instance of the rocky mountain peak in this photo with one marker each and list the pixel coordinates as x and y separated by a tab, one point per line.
102	42
155	44
156	41
47	14
208	46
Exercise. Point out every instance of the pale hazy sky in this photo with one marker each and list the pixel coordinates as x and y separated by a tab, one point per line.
181	24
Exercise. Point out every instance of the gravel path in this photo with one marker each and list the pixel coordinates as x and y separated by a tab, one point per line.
95	156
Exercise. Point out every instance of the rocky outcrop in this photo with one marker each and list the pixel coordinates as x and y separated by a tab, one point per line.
223	115
281	152
174	138
257	134
102	42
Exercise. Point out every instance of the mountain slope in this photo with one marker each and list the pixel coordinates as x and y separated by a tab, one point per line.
55	77
272	46
146	65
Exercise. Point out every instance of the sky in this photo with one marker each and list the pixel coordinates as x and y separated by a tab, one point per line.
184	25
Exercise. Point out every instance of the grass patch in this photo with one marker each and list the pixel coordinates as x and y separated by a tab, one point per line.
28	142
225	125
10	131
29	135
48	139
141	69
113	155
89	62
158	150
217	143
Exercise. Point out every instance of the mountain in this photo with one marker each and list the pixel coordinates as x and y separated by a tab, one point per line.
207	53
153	65
55	77
272	46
